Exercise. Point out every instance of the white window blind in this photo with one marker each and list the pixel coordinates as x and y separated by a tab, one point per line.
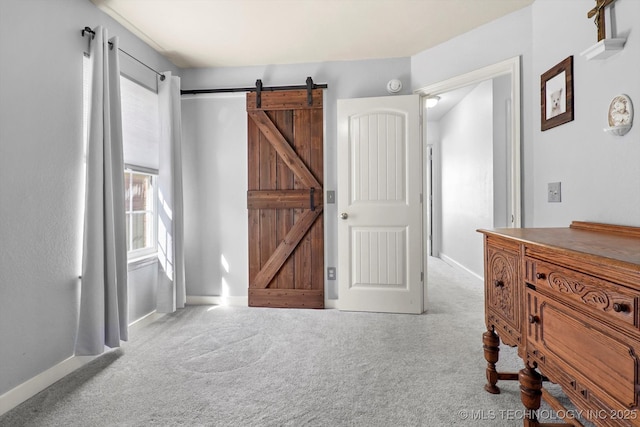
140	124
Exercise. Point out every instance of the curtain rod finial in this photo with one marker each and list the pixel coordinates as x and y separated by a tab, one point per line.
88	30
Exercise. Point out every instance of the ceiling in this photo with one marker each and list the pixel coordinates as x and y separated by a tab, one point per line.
447	101
224	33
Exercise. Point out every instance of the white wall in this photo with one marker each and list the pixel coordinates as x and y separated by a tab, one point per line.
466	158
143	289
502	104
600	173
215	194
489	44
207	141
41	160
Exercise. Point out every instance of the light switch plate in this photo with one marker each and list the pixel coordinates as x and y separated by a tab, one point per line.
331	273
331	196
554	193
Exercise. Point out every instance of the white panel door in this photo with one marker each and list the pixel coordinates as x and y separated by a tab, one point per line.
379	205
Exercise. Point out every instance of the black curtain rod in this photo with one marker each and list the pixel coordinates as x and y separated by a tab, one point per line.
93	33
251	89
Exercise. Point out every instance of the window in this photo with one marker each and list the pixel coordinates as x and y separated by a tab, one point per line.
140	210
140	133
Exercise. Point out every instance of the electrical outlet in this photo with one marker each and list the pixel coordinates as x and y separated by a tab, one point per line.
331	273
554	193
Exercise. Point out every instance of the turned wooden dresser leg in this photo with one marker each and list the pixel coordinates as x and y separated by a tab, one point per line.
491	345
530	394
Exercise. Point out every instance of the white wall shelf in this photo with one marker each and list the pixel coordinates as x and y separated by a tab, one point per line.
618	130
604	49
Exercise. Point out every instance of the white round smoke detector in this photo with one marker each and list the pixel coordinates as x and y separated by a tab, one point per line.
394	86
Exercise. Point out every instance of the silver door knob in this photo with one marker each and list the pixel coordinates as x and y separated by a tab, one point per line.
344	215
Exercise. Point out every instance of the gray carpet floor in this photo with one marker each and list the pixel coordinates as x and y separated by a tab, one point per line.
239	366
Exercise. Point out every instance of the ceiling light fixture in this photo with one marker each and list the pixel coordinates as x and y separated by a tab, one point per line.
432	101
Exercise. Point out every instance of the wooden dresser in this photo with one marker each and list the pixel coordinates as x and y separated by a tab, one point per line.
569	299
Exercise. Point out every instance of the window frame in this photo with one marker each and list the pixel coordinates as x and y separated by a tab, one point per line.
134	255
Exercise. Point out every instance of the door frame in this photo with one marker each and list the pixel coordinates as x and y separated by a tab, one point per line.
509	67
427	190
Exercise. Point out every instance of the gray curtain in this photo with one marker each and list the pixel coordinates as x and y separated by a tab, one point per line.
171	278
102	319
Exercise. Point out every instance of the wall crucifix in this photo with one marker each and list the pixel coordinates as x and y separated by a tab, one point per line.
599	13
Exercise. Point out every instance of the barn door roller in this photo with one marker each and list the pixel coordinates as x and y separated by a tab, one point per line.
309	92
258	93
309	86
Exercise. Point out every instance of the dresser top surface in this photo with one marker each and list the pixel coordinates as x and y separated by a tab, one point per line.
617	243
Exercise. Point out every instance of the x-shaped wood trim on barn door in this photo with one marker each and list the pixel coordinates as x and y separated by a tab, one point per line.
308	200
291	159
282	147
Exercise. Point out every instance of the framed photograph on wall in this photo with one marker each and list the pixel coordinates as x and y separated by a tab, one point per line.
556	90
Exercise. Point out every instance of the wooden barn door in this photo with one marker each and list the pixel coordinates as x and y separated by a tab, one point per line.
285	203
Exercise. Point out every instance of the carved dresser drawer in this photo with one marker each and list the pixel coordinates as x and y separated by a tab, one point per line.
595	365
609	301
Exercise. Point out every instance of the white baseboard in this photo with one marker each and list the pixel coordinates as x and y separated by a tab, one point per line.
136	325
331	303
218	300
238	301
35	385
456	264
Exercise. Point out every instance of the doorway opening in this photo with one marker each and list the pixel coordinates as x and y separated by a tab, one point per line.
472	161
